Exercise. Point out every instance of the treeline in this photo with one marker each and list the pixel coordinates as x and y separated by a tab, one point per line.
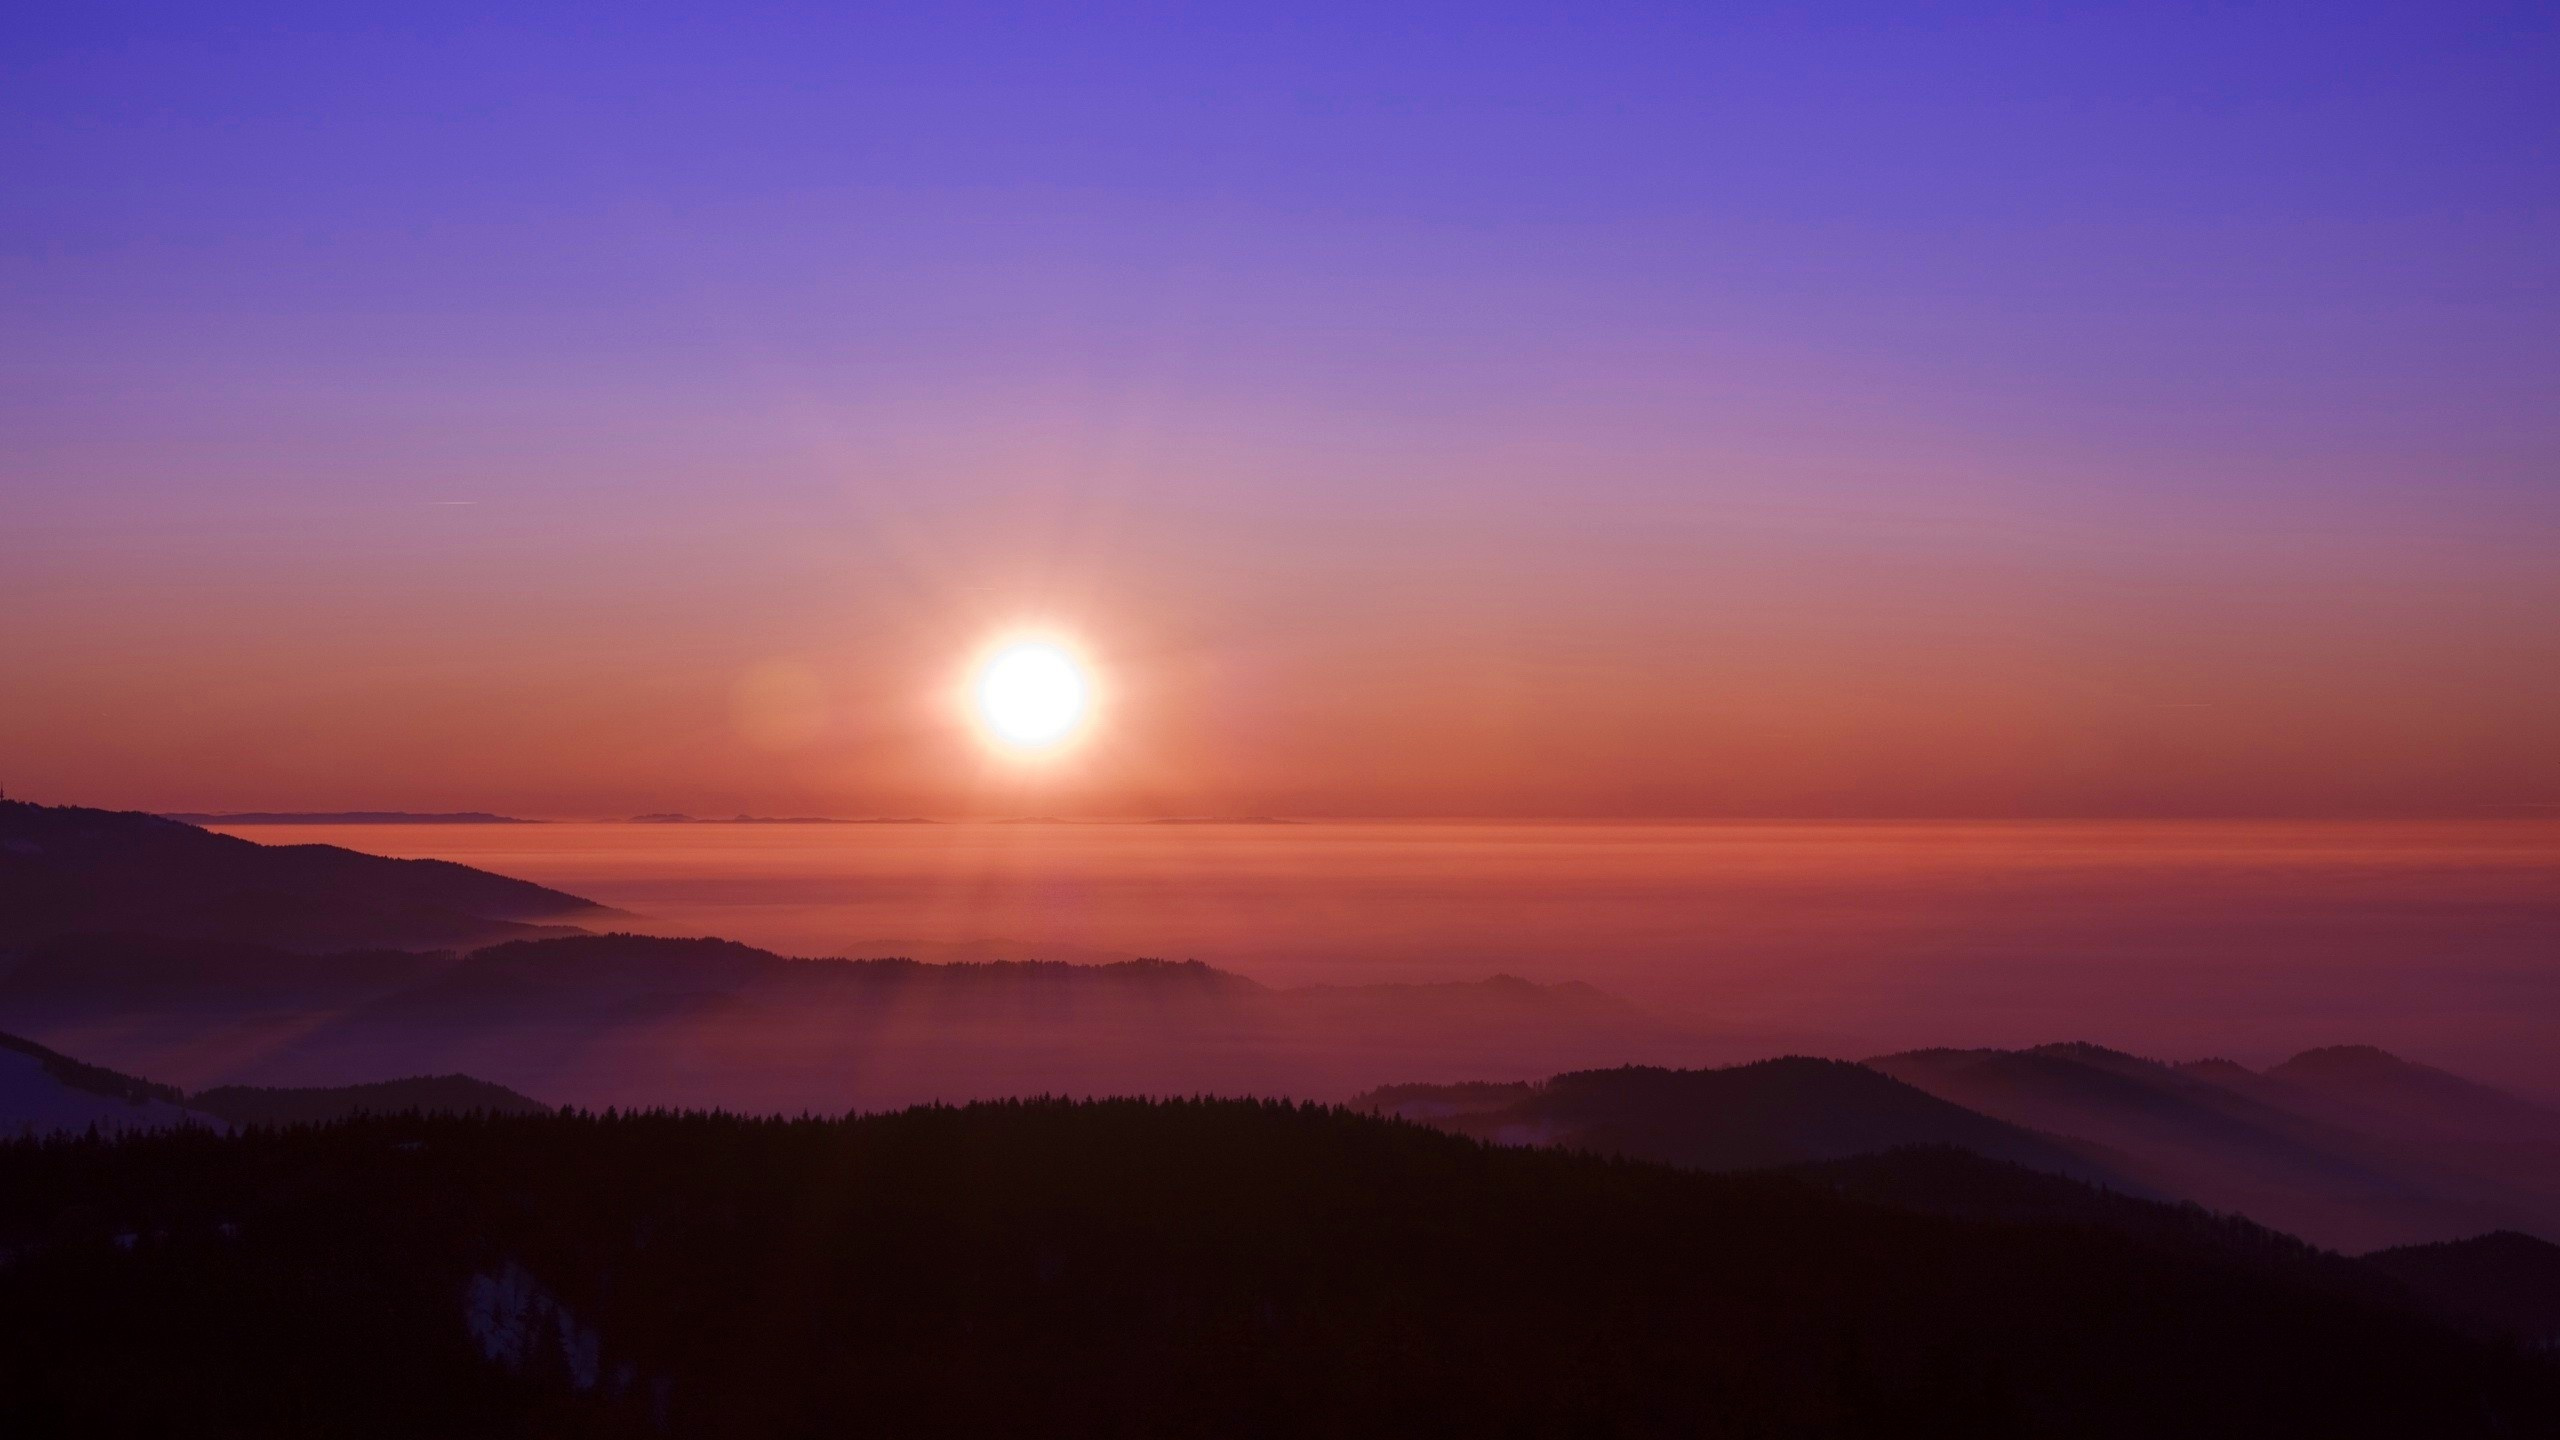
316	1104
1127	1268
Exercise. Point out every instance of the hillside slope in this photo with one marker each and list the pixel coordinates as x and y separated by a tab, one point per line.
66	870
45	1092
2348	1146
2501	1284
1142	1269
1771	1113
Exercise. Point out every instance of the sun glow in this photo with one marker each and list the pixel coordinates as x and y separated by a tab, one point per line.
1032	695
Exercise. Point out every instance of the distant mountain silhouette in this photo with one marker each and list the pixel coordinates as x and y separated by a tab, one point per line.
640	1020
345	817
945	952
588	973
670	817
1756	1116
1165	1269
2350	1146
44	1092
309	1105
169	951
67	871
2361	1086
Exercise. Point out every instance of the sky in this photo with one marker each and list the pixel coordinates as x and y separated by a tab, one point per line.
1486	409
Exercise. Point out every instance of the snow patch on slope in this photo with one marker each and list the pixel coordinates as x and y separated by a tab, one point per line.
35	1101
517	1320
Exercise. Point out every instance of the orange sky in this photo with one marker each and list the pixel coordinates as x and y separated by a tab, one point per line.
1722	649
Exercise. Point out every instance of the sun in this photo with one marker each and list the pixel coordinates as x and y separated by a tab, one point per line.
1032	695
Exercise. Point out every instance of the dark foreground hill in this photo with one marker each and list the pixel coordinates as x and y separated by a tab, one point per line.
2503	1286
66	871
2498	1284
1129	1268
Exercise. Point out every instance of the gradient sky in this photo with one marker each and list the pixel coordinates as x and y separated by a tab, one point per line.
1429	409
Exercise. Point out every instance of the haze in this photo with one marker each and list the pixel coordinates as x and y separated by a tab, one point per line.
1352	720
2250	940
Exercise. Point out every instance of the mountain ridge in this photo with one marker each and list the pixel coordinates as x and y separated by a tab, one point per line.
1789	1110
620	1019
2405	1153
343	817
317	1104
66	870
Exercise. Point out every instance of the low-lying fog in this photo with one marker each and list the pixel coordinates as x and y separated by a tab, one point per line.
2438	940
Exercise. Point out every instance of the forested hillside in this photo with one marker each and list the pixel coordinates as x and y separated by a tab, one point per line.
1124	1267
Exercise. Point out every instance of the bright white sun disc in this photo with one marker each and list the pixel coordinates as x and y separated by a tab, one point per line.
1031	695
